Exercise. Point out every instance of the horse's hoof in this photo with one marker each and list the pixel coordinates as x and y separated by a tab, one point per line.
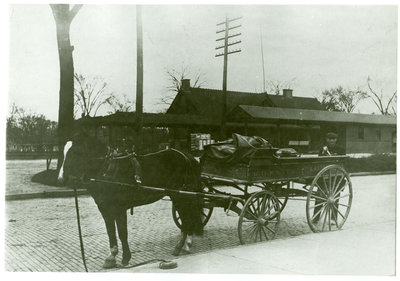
186	249
125	262
110	262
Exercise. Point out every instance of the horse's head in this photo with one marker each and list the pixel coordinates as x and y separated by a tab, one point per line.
83	156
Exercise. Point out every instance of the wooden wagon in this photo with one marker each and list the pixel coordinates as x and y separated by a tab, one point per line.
265	182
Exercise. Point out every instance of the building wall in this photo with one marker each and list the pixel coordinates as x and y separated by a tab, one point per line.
365	139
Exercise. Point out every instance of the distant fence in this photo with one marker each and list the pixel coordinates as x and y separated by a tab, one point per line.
32	151
29	148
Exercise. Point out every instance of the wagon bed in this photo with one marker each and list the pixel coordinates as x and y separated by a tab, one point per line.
270	168
266	183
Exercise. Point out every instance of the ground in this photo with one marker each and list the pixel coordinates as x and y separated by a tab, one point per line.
42	235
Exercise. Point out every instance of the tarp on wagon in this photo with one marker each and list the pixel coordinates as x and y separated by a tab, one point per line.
236	149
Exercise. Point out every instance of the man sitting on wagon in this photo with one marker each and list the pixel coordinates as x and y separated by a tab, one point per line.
331	148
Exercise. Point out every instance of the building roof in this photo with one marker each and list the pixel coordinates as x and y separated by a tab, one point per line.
207	102
296	102
258	113
149	119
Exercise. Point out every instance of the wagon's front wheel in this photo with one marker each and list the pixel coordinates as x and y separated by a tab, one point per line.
260	217
205	215
329	199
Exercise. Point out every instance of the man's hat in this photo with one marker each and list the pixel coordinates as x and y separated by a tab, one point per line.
331	135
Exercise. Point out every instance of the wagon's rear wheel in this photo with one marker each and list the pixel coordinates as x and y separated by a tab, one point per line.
260	217
205	217
329	199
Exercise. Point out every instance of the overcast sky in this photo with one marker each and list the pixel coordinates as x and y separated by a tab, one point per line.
311	47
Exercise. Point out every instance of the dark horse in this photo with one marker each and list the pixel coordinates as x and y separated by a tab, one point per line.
84	159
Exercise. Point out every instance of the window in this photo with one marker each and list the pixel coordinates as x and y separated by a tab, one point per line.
361	133
378	134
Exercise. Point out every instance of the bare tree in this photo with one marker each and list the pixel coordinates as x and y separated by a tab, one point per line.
175	78
121	105
90	95
340	99
385	107
275	87
63	17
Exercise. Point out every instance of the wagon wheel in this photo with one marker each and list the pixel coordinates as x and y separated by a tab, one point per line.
205	217
282	200
329	199
260	217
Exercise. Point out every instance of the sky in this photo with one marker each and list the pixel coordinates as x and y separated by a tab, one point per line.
311	48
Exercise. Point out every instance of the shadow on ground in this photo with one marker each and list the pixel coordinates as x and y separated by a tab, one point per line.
47	177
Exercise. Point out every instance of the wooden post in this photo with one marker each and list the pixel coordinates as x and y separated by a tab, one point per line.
224	82
139	79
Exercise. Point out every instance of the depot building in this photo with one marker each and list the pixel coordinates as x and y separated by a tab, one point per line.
193	120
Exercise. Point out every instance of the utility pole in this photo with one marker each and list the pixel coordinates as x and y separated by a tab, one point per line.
226	52
139	79
262	58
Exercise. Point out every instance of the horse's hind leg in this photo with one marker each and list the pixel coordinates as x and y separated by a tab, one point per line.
180	244
123	236
110	261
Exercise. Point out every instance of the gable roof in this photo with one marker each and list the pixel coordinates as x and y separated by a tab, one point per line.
285	114
208	102
296	102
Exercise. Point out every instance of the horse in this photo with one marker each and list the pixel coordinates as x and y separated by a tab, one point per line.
84	159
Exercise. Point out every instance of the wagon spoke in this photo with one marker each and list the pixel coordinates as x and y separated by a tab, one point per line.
323	224
264	205
255	232
247	220
324	182
270	229
259	230
340	190
336	209
316	205
329	218
338	184
265	234
251	230
334	179
335	215
318	212
264	201
317	197
272	216
253	215
320	190
254	208
344	205
343	196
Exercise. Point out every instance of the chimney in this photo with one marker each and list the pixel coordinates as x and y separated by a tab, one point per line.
287	93
185	85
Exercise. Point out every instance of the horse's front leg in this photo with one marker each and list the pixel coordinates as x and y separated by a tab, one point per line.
121	220
110	261
188	243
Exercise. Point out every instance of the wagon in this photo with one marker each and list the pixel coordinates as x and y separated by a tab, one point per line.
264	183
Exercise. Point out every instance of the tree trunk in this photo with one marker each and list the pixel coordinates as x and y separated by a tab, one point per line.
66	97
63	17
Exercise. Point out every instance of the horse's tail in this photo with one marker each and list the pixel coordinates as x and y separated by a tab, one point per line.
190	208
